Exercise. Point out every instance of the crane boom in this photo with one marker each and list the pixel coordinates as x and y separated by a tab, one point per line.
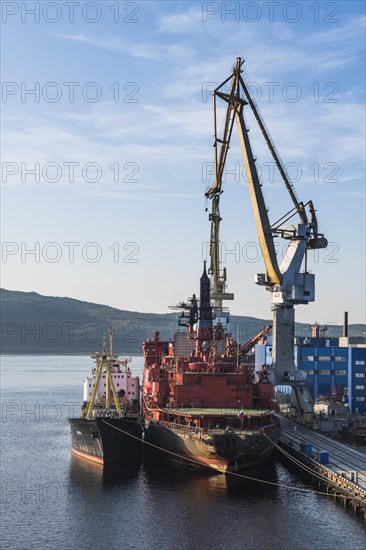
290	188
262	223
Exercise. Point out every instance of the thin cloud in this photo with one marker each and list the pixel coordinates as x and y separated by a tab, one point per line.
145	50
353	194
341	33
184	22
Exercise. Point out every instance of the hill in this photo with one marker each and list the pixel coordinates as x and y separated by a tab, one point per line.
32	323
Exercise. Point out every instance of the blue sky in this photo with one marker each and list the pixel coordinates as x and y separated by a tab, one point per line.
127	85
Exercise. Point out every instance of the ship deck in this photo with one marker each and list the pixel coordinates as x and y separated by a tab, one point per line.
197	411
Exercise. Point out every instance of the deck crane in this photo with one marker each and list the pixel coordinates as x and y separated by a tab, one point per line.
287	282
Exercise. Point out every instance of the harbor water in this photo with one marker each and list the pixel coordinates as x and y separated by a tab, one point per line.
52	500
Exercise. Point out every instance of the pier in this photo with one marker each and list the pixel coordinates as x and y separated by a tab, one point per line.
342	473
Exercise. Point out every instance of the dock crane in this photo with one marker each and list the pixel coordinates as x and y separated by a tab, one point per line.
287	282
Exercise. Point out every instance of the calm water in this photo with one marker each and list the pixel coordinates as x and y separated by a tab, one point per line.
51	500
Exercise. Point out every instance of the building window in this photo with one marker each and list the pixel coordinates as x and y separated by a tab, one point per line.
359	362
359	399
324	372
324	358
360	387
308	358
117	385
133	385
340	372
310	371
340	358
360	375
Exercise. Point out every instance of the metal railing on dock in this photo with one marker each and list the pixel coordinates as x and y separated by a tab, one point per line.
297	443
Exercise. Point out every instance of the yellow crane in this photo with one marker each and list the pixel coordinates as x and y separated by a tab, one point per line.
287	283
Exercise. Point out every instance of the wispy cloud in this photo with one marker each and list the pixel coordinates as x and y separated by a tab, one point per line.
353	194
354	28
145	50
181	23
179	133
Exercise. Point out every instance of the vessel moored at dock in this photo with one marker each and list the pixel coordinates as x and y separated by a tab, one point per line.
201	402
109	429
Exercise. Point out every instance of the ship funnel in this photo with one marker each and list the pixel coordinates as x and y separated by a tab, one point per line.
205	288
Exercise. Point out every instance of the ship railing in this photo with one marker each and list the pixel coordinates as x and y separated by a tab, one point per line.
111	413
240	431
183	428
201	432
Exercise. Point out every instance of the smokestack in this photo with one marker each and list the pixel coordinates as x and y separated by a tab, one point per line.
315	330
345	324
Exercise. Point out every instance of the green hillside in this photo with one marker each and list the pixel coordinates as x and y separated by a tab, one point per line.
32	323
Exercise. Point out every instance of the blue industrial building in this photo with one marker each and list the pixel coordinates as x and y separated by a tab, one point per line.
333	366
357	379
325	367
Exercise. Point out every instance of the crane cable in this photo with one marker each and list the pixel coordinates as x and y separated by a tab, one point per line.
227	472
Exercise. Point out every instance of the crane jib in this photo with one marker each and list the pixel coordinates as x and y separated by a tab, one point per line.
236	99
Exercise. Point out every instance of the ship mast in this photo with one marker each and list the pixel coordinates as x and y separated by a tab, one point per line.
107	381
110	342
103	364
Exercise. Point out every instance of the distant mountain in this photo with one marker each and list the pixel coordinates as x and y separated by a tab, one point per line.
32	323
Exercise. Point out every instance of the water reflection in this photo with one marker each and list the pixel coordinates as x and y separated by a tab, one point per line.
103	501
83	472
257	482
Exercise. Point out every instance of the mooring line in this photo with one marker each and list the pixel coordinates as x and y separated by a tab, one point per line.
296	461
309	470
313	491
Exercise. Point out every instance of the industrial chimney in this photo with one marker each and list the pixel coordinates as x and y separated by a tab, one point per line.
345	325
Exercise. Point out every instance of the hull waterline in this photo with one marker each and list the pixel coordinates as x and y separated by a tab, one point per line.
106	440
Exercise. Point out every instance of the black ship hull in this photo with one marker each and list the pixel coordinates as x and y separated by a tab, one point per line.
221	451
104	440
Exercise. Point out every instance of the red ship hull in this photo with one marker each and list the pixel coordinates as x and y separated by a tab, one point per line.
202	403
214	449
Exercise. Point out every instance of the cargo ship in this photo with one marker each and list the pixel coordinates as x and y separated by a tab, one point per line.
202	403
109	429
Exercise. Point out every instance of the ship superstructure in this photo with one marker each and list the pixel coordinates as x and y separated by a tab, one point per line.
125	384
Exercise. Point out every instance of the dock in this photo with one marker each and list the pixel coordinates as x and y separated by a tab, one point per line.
342	472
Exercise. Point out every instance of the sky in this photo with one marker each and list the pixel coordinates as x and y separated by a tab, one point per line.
107	147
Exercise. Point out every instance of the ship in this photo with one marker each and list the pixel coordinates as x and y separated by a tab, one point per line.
202	403
109	429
